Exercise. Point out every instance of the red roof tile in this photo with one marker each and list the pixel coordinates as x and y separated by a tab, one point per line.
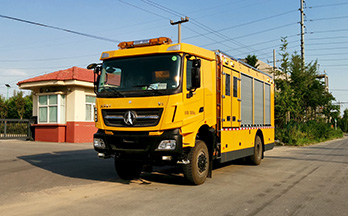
74	73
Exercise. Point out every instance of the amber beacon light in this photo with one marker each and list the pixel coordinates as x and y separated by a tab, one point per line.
142	43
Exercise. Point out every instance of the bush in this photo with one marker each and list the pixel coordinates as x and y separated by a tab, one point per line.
299	134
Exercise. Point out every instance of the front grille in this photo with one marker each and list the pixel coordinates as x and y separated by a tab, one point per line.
132	118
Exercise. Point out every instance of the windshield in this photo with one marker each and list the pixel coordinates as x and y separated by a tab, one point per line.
158	74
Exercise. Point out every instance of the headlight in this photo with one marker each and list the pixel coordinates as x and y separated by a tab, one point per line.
166	145
99	143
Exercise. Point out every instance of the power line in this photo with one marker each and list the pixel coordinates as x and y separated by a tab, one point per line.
206	28
329	31
59	28
328	38
335	65
329	48
244	24
315	44
217	6
47	59
40	68
346	59
327	5
271	47
161	17
195	22
269	41
328	18
210	30
140	8
259	32
328	54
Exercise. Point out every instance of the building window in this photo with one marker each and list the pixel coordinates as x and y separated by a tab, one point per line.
90	105
52	108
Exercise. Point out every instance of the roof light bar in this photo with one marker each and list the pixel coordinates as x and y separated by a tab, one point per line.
142	43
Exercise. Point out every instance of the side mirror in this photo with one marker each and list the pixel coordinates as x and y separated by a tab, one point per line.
96	68
196	74
92	66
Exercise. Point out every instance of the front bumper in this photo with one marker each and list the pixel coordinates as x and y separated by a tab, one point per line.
139	146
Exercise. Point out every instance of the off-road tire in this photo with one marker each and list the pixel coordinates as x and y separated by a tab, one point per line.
128	170
256	158
197	170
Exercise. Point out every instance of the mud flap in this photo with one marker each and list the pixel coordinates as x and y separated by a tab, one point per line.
210	171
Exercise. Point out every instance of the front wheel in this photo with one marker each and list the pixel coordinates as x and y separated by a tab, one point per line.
197	170
128	170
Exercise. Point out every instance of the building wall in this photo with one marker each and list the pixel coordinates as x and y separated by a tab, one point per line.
80	132
50	132
75	104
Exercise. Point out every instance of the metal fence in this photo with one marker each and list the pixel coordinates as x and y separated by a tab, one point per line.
15	128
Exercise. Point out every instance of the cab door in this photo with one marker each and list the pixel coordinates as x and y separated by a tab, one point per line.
193	98
226	98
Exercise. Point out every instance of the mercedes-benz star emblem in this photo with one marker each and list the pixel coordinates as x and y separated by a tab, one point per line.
129	118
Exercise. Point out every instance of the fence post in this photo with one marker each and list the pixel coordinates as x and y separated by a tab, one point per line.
29	136
5	128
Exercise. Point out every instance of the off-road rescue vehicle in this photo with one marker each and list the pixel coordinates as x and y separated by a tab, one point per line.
160	103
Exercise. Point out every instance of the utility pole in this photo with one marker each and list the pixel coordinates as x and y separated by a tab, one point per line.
274	59
302	35
186	19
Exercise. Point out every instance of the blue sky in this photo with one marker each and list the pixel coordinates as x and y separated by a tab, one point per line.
238	27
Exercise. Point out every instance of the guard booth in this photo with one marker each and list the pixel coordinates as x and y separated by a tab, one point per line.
63	104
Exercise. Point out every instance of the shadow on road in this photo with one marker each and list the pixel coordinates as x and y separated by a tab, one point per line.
82	164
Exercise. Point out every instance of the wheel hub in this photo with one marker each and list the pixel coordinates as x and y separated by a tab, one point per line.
202	161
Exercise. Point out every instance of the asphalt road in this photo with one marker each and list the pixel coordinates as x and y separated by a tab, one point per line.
39	178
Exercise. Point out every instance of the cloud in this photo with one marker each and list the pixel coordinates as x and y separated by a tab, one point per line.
13	73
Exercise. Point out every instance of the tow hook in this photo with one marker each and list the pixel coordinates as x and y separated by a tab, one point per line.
183	161
103	155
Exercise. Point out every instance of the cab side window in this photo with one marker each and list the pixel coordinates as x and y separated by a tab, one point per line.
188	74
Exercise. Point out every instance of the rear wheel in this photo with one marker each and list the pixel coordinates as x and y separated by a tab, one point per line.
128	170
197	170
256	158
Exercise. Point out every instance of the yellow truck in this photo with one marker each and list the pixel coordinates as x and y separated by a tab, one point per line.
161	103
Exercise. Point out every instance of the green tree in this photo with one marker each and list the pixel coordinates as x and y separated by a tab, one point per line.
252	60
284	94
19	106
300	100
3	107
343	123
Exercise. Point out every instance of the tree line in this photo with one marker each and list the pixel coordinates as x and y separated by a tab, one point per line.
16	107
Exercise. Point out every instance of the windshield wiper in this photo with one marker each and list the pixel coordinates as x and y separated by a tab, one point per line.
149	87
113	90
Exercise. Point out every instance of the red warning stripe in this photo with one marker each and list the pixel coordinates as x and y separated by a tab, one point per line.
246	128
